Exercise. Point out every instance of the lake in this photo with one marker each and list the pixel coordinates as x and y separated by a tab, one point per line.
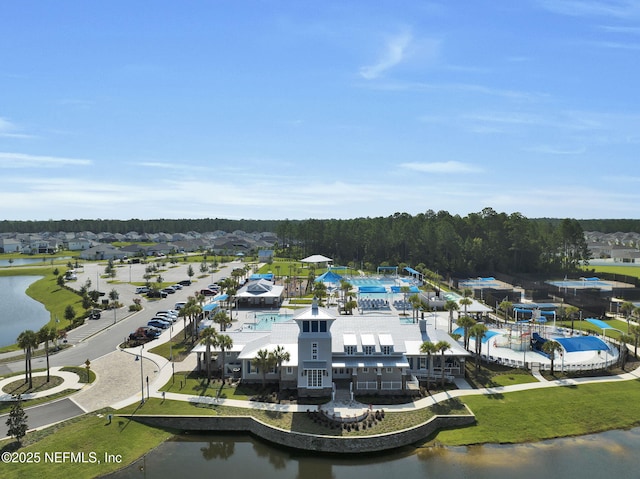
610	454
18	311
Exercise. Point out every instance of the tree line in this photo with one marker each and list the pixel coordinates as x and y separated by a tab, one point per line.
482	242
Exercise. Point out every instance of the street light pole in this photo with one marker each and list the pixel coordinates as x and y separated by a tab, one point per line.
141	374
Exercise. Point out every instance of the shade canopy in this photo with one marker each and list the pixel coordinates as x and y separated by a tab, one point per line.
316	258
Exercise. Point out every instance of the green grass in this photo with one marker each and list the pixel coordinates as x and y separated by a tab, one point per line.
622	270
494	375
91	433
177	346
299	422
189	383
548	413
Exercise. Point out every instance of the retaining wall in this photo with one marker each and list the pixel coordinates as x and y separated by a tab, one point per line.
307	442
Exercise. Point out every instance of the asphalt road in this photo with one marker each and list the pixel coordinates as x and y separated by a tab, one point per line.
45	414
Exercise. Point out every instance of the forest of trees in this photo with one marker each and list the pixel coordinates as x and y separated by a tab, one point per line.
481	242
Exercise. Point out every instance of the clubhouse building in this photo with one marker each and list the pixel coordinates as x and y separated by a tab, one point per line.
364	354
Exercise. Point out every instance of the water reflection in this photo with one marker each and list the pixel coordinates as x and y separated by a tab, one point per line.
602	455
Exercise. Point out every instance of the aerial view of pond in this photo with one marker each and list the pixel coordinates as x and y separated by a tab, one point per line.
18	311
610	454
31	261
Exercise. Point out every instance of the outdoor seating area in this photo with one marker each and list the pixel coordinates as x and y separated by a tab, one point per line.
376	304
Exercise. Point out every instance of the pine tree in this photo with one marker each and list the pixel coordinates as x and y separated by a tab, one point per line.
17	421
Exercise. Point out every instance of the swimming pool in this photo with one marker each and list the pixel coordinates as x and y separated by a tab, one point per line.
264	321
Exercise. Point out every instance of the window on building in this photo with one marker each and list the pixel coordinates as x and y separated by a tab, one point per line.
368	349
423	363
389	370
314	378
365	370
387	349
305	326
314	326
323	326
350	350
314	351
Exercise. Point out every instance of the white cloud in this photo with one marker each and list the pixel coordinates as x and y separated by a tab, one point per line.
9	129
20	160
442	167
592	8
395	52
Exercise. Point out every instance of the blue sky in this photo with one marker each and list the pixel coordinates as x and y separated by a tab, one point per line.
306	109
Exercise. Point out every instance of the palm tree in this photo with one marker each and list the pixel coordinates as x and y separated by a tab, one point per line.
224	343
627	308
263	361
451	306
466	302
405	291
210	339
46	334
280	355
550	347
478	331
570	312
429	348
319	291
415	302
187	311
466	322
506	307
345	287
28	340
442	346
624	350
634	331
222	319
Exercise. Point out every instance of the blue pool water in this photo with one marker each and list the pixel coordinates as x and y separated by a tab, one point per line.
264	321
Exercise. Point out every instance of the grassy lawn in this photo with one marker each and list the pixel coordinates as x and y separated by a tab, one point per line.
190	383
177	346
587	326
299	422
92	433
493	375
622	270
548	413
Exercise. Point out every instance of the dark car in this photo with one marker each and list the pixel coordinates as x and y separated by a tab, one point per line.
208	292
157	294
95	314
168	290
185	282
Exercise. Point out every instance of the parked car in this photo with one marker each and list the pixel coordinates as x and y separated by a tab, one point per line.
185	282
178	306
142	290
167	316
95	314
208	292
214	287
176	286
159	323
168	290
157	294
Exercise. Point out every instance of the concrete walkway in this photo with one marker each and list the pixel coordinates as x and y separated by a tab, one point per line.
69	381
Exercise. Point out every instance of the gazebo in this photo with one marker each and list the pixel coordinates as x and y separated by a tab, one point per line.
317	259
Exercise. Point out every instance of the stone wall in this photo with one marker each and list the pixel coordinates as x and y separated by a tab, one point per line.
308	442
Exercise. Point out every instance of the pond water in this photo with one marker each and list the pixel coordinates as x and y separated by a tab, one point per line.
18	311
610	454
32	261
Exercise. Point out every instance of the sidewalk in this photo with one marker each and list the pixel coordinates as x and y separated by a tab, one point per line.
69	381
